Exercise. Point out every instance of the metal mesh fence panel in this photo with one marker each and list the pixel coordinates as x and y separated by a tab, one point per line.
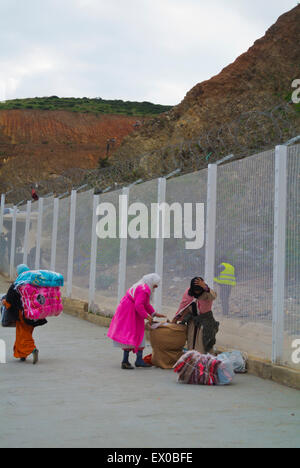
4	256
62	246
6	239
244	239
32	237
5	244
108	254
82	245
181	264
46	233
292	287
140	250
20	236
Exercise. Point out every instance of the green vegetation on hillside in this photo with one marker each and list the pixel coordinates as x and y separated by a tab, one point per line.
86	105
288	98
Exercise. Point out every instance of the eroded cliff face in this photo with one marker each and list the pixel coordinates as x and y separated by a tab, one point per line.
37	145
258	80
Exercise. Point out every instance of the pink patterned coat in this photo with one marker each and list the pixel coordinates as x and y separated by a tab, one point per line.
127	326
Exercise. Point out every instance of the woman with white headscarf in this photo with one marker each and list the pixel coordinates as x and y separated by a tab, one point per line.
127	328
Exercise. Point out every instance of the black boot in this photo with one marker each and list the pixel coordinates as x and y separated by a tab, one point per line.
125	363
139	360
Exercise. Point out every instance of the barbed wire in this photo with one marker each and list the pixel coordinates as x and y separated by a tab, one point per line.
250	133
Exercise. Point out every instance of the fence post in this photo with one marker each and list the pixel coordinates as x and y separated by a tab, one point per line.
123	234
159	252
39	233
54	233
2	211
26	235
71	243
13	243
93	263
280	204
211	210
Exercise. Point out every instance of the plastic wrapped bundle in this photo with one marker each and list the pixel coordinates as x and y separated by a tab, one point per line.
40	302
42	278
238	360
203	369
225	372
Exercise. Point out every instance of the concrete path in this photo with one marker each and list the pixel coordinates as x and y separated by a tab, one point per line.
77	396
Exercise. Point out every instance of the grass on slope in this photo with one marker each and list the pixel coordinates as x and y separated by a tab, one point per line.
86	105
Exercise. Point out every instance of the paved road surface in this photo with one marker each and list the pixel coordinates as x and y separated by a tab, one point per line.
77	396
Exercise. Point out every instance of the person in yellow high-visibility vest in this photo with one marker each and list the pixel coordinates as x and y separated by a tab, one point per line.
226	280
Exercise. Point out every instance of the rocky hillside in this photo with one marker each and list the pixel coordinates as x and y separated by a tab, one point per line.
40	142
39	145
234	111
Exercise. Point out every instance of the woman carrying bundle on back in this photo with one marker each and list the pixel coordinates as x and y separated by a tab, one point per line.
24	344
127	328
33	296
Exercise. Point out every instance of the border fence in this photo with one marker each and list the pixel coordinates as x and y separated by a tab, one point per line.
252	221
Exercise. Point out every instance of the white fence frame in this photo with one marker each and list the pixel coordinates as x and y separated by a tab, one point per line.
123	242
211	212
280	213
280	210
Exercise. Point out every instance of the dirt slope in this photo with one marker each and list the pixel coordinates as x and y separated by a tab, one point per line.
36	145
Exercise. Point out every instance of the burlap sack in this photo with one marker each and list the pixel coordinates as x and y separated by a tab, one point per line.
167	344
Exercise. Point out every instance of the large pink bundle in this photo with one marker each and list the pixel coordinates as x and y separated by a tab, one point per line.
40	302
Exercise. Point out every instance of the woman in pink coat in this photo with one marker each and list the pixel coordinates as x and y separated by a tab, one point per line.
127	328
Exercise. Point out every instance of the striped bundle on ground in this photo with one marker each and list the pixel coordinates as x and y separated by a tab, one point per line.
203	369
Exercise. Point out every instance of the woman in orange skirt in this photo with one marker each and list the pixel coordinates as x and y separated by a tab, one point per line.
24	345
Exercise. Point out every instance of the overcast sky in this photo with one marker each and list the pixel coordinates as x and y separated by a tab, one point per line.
135	50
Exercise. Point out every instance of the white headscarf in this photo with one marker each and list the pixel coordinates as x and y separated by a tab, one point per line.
151	280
